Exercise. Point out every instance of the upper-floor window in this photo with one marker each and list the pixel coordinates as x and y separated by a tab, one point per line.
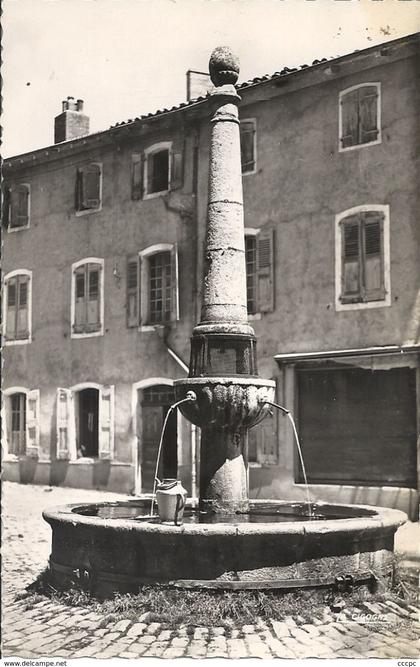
16	206
248	135
17	305
88	188
87	297
362	258
156	171
259	260
360	121
152	286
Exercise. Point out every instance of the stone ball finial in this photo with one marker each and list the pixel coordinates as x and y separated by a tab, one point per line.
223	66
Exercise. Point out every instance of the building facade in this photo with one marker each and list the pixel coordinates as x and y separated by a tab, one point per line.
102	284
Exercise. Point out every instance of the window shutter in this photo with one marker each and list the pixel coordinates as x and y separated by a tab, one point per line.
79	190
64	425
350	259
132	305
373	256
350	119
137	166
91	186
265	270
32	423
264	435
22	306
174	284
80	299
12	301
5	213
368	107
176	171
93	297
247	133
106	422
20	206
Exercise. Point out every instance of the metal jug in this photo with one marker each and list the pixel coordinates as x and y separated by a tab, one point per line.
171	497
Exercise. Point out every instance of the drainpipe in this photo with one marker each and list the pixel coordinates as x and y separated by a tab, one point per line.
193	433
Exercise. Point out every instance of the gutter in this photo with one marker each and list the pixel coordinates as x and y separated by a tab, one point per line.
355	352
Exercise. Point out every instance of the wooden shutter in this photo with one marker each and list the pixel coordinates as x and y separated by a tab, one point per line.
93	306
5	213
350	119
64	425
22	325
174	284
106	422
247	132
176	171
32	423
19	214
350	259
373	260
80	299
368	113
91	186
265	270
132	306
137	164
79	190
12	304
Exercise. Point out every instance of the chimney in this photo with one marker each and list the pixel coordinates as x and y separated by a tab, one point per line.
198	84
71	122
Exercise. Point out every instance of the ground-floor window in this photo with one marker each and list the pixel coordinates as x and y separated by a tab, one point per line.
358	425
17	435
154	403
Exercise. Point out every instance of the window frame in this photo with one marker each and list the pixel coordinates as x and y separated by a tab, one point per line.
339	218
10	228
341	95
74	267
87	211
143	277
7	277
32	423
148	153
252	121
253	231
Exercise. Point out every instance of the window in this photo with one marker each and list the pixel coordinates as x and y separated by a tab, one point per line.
152	286
22	421
263	444
17	305
16	205
248	146
259	256
360	116
156	172
88	188
362	254
87	299
85	422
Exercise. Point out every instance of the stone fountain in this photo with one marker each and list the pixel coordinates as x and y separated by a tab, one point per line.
229	541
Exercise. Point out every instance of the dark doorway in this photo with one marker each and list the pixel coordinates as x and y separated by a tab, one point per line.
88	436
155	403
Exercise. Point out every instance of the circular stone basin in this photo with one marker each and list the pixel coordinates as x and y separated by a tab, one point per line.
110	547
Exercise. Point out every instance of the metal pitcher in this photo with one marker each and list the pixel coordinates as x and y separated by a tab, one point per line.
171	498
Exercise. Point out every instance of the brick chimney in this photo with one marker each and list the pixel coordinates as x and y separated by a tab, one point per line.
71	122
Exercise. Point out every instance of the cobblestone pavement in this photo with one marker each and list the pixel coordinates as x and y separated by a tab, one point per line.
46	628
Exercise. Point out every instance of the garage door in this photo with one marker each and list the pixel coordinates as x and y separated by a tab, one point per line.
358	426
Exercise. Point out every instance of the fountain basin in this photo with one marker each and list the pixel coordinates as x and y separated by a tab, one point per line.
260	549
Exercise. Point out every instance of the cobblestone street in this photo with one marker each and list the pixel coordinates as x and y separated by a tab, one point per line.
46	628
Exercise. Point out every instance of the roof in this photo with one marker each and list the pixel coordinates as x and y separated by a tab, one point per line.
40	153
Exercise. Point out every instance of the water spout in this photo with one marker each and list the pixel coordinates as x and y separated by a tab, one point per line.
190	398
299	448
